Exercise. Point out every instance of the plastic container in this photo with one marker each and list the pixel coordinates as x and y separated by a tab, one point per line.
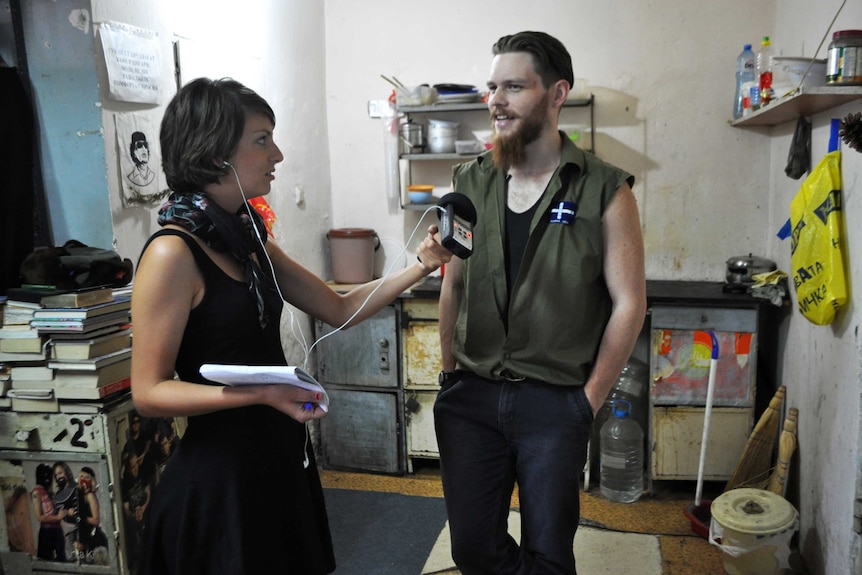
753	528
763	64
844	63
744	73
621	462
352	254
631	385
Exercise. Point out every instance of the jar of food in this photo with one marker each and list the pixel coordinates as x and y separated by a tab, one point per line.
844	65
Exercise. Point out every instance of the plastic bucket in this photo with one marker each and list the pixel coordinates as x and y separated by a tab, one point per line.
352	252
753	527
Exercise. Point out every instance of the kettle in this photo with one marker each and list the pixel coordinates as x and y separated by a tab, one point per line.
742	269
412	137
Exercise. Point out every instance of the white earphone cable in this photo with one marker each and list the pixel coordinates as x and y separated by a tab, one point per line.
293	324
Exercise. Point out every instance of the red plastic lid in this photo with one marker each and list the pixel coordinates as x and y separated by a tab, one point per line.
351	233
841	33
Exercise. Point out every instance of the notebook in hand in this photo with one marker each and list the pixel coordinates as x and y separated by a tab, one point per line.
265	374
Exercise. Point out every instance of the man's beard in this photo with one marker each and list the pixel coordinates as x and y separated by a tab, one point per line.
511	150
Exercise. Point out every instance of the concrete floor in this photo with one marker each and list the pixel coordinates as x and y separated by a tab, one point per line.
653	532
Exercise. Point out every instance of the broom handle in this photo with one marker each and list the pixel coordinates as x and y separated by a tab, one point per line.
774	407
710	388
786	447
766	420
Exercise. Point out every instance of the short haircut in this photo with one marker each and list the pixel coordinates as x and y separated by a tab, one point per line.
202	127
551	60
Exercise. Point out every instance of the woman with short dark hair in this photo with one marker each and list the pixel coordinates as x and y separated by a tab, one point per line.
241	494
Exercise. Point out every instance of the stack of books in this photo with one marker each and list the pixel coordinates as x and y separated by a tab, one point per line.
23	357
16	334
85	351
91	347
32	387
92	368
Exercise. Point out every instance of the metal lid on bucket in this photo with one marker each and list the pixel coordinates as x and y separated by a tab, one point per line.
754	511
351	233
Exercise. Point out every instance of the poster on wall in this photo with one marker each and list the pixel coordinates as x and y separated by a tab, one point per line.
59	507
141	447
139	157
84	512
132	62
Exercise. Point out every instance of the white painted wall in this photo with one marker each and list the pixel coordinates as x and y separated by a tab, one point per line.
662	73
663	76
821	366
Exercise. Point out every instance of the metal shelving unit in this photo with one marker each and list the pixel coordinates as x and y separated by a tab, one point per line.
445	108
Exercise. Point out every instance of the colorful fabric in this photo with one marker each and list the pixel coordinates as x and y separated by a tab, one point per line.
242	234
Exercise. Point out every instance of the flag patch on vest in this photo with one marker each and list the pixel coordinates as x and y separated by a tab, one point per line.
564	213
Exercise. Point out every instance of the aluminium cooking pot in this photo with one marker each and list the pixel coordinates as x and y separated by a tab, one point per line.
742	269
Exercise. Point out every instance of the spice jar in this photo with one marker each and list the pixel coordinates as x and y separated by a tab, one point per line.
844	65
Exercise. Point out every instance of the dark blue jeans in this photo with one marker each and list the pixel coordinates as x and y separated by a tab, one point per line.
492	434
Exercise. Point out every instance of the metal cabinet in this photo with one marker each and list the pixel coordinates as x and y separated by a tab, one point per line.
100	467
680	358
421	362
360	369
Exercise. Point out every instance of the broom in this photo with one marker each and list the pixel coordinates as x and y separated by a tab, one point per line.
752	469
786	447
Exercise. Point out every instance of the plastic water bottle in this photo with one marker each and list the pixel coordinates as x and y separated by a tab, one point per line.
622	455
744	73
763	65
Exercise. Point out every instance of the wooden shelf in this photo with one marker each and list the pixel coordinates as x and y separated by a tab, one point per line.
806	102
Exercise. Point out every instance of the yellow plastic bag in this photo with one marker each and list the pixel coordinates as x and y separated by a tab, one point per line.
816	243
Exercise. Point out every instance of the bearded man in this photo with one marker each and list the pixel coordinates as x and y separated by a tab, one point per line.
537	324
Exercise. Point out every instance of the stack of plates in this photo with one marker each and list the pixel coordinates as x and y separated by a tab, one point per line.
456	93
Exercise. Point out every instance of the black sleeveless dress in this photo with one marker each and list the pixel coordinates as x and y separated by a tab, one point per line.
235	498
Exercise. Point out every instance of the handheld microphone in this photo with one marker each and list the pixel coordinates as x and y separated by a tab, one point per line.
457	218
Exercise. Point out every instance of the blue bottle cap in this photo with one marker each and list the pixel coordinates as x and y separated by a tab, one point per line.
622	408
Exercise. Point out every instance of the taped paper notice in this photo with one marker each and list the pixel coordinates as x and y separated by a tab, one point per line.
132	63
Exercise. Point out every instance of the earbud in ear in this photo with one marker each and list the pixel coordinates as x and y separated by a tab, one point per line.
226	164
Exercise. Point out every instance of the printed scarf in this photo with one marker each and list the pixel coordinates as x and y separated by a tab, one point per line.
226	232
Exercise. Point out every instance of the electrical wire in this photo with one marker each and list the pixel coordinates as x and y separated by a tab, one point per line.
301	338
817	51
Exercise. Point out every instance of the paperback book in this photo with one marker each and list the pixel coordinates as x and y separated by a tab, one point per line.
93	378
93	393
23	358
92	364
81	349
31	372
78	298
33	400
81	313
265	374
57	325
18	332
23	345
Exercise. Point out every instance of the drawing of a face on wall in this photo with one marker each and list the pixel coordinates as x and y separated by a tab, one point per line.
138	157
139	149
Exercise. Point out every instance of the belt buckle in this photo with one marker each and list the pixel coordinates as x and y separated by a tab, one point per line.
508	375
